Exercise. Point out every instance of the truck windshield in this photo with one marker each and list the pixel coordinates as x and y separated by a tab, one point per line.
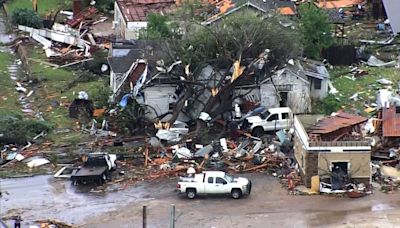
265	114
228	178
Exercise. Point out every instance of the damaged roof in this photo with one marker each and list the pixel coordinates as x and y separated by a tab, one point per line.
226	7
391	121
124	54
138	10
336	4
333	123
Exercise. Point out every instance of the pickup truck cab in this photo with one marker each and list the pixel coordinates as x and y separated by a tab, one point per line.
214	182
272	119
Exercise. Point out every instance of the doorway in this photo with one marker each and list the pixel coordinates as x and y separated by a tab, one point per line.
284	98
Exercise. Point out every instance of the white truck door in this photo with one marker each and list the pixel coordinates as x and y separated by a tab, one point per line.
285	120
209	186
222	186
271	122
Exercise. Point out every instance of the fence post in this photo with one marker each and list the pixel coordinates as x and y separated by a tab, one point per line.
172	218
144	216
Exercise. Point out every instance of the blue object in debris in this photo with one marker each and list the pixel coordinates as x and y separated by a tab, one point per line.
124	101
11	156
381	26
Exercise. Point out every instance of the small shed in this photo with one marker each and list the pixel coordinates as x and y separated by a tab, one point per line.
289	87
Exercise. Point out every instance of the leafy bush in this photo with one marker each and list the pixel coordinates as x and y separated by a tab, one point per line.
99	58
328	105
101	97
159	26
27	17
15	129
105	5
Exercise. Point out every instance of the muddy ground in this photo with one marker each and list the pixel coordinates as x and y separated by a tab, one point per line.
269	205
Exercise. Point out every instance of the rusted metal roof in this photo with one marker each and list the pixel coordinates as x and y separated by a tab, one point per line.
88	12
391	122
137	10
334	123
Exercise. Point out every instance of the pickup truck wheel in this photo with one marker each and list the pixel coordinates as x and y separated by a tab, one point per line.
191	193
258	132
236	193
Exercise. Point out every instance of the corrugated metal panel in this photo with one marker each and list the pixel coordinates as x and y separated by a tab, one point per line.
334	123
392	8
391	122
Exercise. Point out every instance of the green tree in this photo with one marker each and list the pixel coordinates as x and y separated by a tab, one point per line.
158	26
244	36
26	17
315	29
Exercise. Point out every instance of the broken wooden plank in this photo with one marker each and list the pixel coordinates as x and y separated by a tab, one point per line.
266	164
43	62
73	63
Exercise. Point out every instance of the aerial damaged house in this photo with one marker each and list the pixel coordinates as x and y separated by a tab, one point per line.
295	86
330	145
227	7
130	16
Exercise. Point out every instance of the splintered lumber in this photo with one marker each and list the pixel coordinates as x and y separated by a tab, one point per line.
160	174
266	164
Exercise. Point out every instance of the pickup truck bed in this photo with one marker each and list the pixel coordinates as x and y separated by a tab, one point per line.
89	173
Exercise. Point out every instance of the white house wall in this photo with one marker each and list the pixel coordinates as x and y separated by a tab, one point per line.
298	99
133	29
269	98
159	98
392	8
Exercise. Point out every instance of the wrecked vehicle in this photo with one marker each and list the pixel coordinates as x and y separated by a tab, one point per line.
214	182
96	168
273	119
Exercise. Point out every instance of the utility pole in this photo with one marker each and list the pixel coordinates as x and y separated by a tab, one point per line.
144	216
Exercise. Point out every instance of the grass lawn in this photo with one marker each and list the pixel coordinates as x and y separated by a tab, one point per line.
52	87
43	6
56	86
8	94
366	86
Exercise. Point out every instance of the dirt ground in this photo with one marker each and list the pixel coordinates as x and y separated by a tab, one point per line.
269	205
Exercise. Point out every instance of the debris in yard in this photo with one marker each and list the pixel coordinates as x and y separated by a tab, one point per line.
375	62
37	162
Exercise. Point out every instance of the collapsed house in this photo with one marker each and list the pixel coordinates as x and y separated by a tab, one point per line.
332	147
130	16
293	86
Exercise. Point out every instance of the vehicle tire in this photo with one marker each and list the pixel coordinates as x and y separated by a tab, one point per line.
258	132
190	193
249	187
236	193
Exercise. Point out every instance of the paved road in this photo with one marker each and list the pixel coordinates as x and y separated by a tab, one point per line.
269	206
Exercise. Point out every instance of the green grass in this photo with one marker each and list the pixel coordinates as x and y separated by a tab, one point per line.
43	6
8	94
54	86
21	169
366	86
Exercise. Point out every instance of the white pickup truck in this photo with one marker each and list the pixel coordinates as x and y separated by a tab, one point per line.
214	182
273	119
